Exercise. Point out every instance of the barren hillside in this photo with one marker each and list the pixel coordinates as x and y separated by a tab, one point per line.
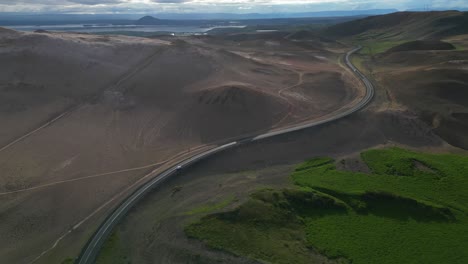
404	25
419	60
131	105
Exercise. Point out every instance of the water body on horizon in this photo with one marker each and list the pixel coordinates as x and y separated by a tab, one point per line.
99	28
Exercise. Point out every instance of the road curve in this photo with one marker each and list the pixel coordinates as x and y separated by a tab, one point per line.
91	250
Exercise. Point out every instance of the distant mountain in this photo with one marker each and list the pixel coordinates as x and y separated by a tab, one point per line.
149	20
436	9
404	25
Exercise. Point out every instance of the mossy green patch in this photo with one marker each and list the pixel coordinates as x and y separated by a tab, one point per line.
112	252
412	208
358	61
371	48
312	163
266	227
68	261
209	208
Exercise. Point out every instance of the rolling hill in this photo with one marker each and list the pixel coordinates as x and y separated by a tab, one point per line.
132	104
403	25
149	20
423	45
419	61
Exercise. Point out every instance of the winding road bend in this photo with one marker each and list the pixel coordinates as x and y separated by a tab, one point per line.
92	248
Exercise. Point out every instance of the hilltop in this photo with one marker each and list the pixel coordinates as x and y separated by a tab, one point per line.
403	25
149	20
419	59
423	45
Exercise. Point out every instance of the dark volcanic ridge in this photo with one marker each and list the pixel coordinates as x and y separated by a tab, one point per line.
149	20
414	25
422	45
6	31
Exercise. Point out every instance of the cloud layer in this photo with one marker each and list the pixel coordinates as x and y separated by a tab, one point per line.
211	6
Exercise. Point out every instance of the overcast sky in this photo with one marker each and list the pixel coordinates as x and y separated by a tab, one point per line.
216	6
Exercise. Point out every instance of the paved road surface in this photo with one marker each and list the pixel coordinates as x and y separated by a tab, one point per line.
91	250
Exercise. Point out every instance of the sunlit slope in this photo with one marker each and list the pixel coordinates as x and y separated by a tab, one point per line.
403	25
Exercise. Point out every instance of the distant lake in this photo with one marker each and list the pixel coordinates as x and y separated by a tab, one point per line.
99	28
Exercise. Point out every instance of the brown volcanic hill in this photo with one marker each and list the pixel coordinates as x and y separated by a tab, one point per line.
229	110
274	35
404	25
422	45
303	35
435	92
309	35
418	58
6	31
426	76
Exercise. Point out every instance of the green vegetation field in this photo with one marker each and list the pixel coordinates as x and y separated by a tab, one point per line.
412	208
113	251
376	47
212	207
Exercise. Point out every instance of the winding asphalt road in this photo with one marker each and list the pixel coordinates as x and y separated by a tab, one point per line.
92	248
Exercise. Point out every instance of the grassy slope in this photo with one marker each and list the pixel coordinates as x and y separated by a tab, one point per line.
431	84
404	212
68	261
403	25
371	47
108	252
377	34
212	207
